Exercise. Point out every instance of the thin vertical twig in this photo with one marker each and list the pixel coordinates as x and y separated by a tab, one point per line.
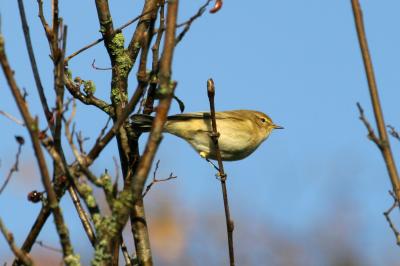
166	93
389	220
15	167
214	136
31	54
384	144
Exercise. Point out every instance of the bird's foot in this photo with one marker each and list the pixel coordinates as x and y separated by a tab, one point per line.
213	134
220	177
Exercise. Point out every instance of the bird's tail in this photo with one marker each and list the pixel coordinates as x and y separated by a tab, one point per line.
142	122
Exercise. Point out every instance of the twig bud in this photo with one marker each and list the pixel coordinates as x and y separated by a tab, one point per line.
210	87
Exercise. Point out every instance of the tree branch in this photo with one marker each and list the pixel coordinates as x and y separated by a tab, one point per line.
26	260
32	126
189	22
373	90
32	59
156	180
130	195
387	216
214	136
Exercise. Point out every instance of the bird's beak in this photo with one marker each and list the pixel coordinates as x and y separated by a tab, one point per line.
277	127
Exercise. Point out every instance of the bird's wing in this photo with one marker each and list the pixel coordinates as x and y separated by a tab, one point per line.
204	115
186	116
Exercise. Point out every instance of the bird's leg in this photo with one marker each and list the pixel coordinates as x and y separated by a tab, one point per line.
204	155
217	175
212	164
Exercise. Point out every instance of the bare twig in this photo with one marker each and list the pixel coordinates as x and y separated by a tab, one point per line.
102	39
81	140
151	93
43	245
69	135
214	136
15	167
32	59
189	22
384	144
155	180
47	29
83	216
371	133
100	68
395	134
387	216
12	118
10	240
75	199
102	131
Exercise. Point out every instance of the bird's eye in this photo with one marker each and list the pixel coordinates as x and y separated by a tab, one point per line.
263	119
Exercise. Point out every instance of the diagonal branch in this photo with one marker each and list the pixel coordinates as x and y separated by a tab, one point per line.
102	38
371	134
26	260
31	54
373	90
189	22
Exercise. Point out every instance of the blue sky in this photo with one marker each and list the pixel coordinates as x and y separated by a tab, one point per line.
297	61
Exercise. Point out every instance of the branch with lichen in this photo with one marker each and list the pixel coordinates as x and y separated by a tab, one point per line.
87	97
126	199
69	176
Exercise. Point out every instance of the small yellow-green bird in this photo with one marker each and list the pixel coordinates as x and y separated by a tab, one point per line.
241	131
